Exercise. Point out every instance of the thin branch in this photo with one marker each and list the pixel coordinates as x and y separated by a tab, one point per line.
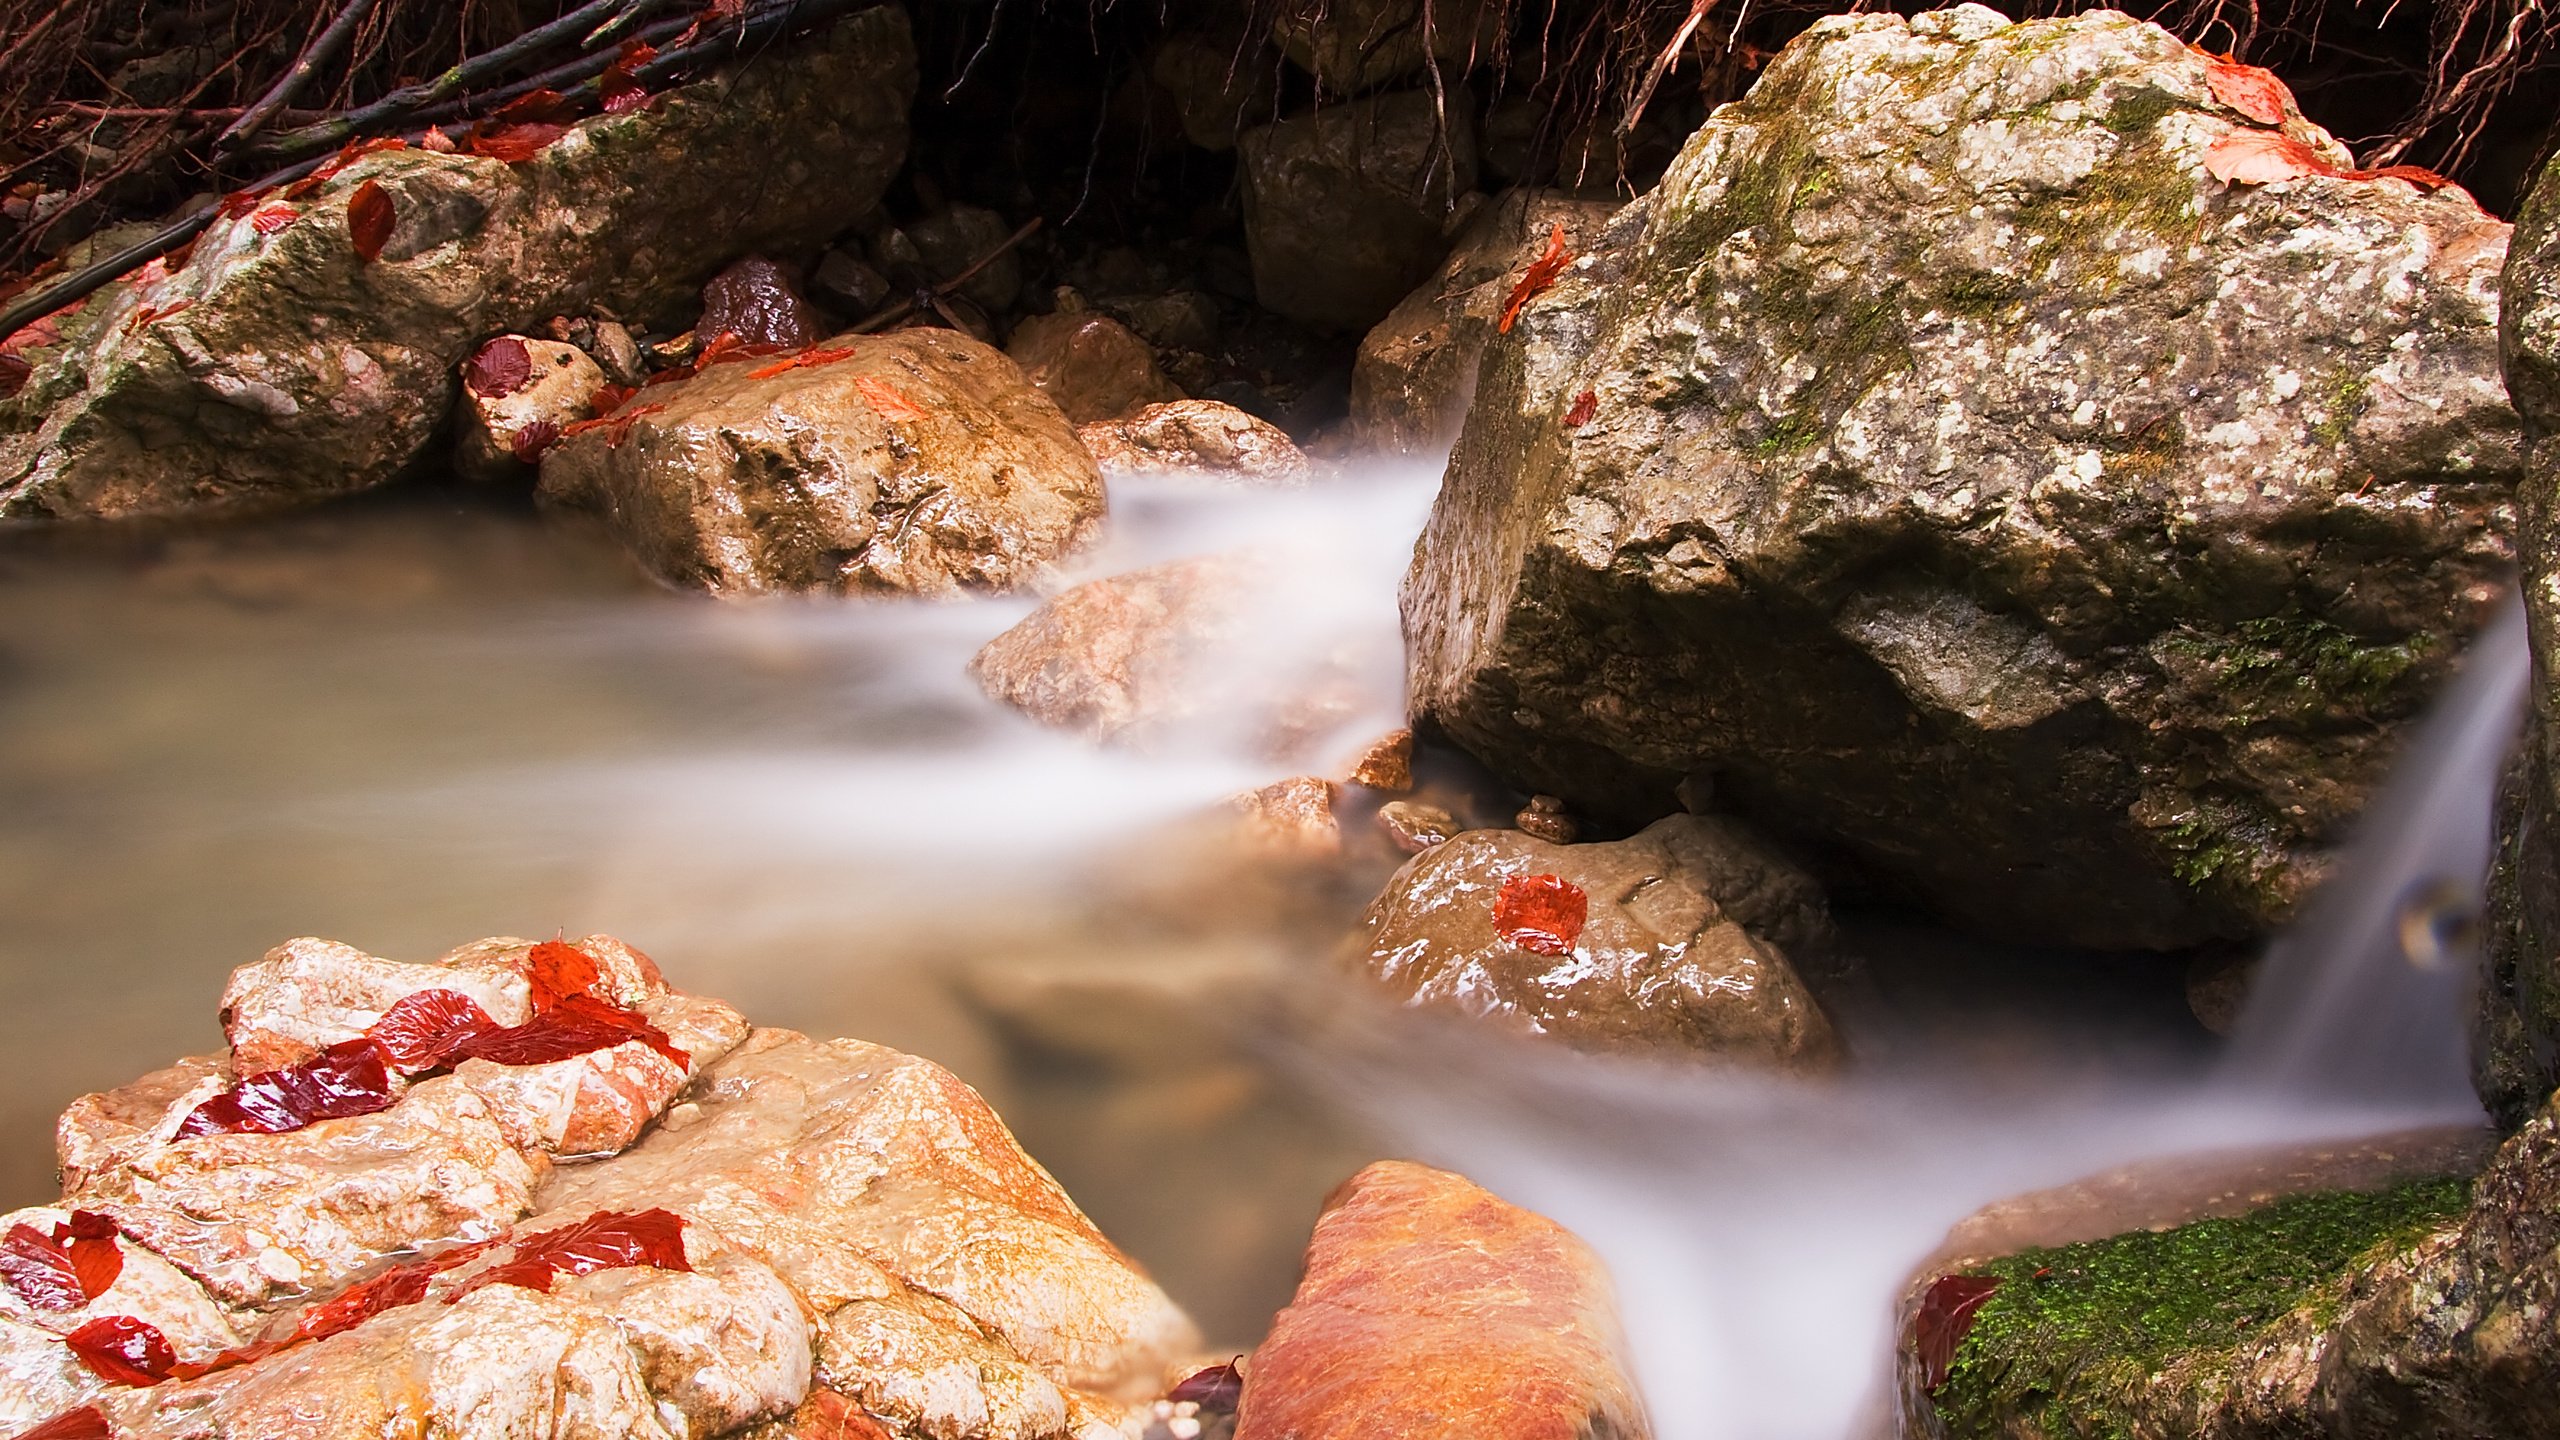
323	48
907	307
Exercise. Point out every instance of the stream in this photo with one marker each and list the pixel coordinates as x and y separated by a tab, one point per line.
409	722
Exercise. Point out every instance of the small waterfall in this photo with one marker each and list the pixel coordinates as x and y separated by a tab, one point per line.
2366	996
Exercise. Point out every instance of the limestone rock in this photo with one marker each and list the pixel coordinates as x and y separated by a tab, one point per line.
282	367
1199	438
1347	207
1971	483
1684	947
1356	45
503	433
1431	1308
2517	1048
1417	369
759	302
1091	365
920	464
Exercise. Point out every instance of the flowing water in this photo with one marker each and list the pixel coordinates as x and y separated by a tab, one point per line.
413	722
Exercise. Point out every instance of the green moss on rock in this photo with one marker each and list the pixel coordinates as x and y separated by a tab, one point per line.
2071	1342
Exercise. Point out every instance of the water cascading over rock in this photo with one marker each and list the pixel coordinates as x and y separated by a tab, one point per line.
1949	468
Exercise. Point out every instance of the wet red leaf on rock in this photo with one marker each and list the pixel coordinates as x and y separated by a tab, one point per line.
1215	1390
532	440
610	398
616	424
826	1415
342	1082
885	399
804	360
422	1031
498	369
40	1270
1541	913
436	142
1585	405
86	1423
2262	157
2252	91
240	202
545	106
273	219
370	218
512	143
575	1026
1538	278
123	1351
1945	1318
620	83
556	970
152	315
607	1240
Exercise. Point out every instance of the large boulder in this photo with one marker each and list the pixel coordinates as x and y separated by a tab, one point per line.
279	365
1675	939
1348	207
2419	1311
1431	1308
2517	1052
920	462
1417	369
1948	467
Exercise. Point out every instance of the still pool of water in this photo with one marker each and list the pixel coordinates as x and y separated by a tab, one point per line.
412	722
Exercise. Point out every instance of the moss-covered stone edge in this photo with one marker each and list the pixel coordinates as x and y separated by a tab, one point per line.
2071	1342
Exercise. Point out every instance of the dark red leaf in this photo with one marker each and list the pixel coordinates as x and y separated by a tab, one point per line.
38	1267
85	1423
577	1025
536	107
1945	1318
532	440
123	1350
620	83
370	216
1543	913
87	1225
389	1290
338	1083
15	371
425	1030
608	1240
1215	1390
498	369
239	203
1538	278
1585	405
558	970
609	398
513	144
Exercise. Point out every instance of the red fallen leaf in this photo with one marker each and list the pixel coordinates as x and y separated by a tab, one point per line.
240	202
1945	1318
40	1270
85	1423
15	370
177	259
726	347
436	142
513	144
890	404
1585	405
610	398
718	12
607	1240
152	314
1215	1390
617	427
273	219
574	1026
803	361
123	1351
620	83
826	1415
536	107
532	440
1538	278
557	970
498	369
2250	90
370	216
2261	157
1541	913
347	155
425	1029
341	1082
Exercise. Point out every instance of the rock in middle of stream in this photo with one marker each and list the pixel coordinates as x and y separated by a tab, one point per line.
1955	472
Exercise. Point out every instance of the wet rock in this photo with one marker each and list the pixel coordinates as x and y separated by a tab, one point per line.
599	1102
1417	369
1431	1308
920	463
504	431
1091	365
2416	1311
1545	817
2060	532
610	344
1218	86
759	302
308	994
957	237
101	1131
850	282
282	367
2217	984
39	1376
2516	1045
1356	45
1685	945
1292	818
1414	827
1196	437
1387	764
1348	207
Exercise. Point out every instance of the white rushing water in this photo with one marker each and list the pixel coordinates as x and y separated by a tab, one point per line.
808	808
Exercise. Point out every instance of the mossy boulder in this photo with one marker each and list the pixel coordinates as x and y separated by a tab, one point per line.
1946	466
2425	1310
278	365
2518	1044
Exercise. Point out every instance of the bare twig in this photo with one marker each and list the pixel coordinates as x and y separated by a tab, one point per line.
934	296
322	49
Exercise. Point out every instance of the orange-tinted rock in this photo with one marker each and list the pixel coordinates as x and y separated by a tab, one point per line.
1292	817
1414	827
1196	437
1432	1310
1092	366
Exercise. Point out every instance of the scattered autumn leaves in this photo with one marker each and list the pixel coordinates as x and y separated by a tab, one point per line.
2263	157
